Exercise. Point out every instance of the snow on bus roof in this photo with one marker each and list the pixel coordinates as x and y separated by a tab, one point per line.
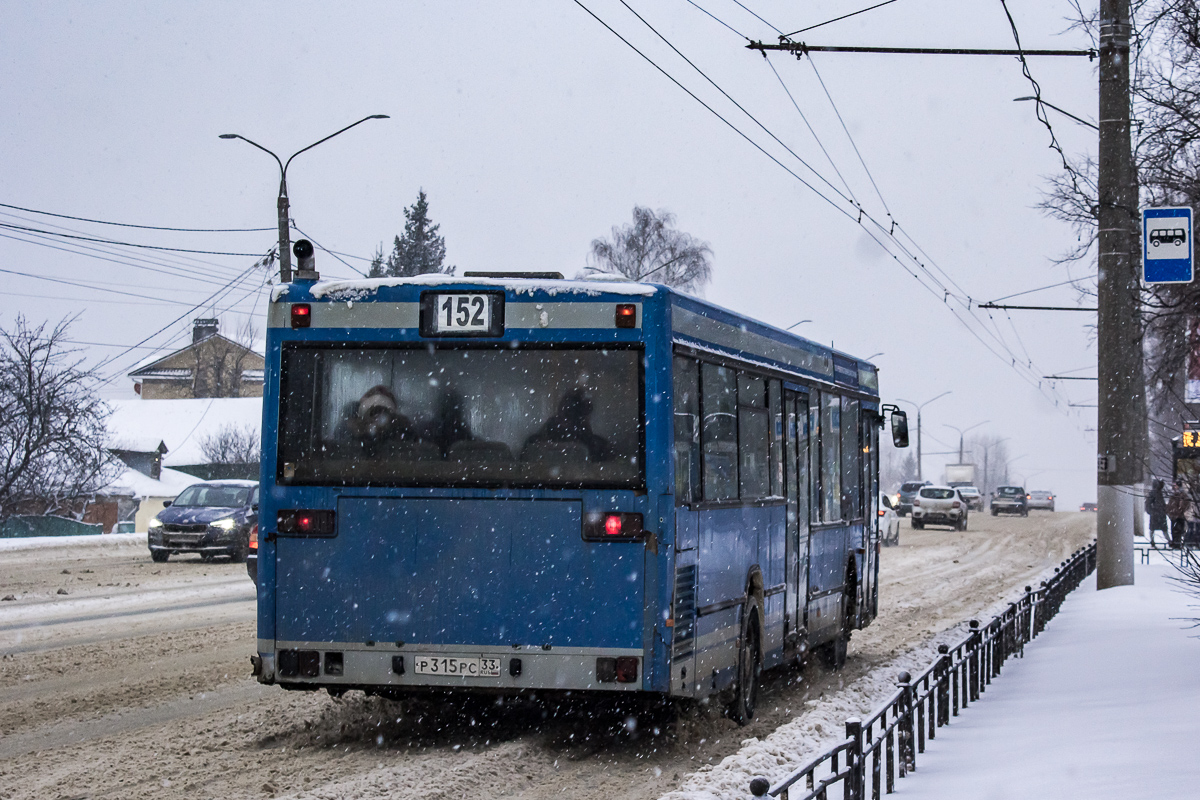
364	287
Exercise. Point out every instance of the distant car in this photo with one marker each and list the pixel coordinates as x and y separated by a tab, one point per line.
973	497
889	523
212	519
1010	500
908	491
939	505
1038	498
1087	507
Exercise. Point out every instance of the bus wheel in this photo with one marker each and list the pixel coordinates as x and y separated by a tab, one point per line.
749	669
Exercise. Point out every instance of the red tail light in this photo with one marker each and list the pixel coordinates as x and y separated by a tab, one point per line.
306	523
956	504
882	511
254	537
612	526
301	315
626	315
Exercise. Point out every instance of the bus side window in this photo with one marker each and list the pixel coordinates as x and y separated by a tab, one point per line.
718	431
852	456
814	456
775	405
831	459
687	430
754	466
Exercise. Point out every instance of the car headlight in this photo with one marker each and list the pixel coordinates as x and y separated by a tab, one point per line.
155	524
226	524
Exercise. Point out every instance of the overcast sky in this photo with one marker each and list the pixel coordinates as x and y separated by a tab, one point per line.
534	130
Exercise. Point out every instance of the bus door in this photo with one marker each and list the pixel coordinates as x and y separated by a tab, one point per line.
869	601
795	405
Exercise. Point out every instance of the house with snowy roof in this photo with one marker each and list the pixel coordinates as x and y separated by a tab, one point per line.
213	365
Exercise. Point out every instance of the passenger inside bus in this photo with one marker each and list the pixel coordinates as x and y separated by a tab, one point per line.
571	423
377	417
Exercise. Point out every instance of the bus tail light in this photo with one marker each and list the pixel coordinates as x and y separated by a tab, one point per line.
254	538
612	526
626	315
301	522
301	315
623	669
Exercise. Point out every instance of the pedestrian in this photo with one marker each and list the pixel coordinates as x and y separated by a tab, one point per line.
1156	508
1177	508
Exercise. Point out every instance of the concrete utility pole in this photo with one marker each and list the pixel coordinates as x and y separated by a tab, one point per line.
1122	385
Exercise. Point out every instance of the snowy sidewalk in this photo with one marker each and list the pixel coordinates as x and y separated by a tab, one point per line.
1105	704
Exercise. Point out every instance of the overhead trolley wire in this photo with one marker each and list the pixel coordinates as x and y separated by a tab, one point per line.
740	107
961	296
715	113
131	225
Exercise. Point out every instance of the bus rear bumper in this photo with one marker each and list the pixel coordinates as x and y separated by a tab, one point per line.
388	667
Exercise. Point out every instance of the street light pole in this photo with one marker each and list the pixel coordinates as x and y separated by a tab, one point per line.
962	431
920	468
282	205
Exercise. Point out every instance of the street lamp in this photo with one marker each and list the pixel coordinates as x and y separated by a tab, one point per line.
961	432
285	255
794	324
919	406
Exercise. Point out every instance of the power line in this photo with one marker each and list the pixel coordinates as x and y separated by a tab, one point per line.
714	112
131	225
1042	288
735	102
839	19
122	244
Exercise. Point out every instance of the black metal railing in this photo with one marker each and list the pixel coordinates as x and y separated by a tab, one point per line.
883	747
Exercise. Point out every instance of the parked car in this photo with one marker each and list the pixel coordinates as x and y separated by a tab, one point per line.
212	519
1010	500
908	491
1039	498
939	505
889	522
973	497
1088	507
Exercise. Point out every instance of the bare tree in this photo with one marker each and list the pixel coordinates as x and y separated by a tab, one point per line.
52	424
652	249
232	444
1166	92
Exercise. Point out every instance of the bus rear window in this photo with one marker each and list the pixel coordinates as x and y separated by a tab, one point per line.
464	416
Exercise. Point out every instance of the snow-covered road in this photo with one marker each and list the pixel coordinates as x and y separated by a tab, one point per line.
135	683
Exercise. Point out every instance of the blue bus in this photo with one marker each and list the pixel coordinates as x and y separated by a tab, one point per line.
520	484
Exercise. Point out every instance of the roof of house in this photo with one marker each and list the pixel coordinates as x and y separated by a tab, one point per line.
182	425
133	483
147	366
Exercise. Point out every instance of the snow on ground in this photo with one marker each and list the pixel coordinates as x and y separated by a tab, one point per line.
111	540
1102	706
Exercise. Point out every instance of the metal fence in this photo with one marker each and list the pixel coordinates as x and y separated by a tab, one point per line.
884	746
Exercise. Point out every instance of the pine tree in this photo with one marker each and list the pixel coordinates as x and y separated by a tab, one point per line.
420	250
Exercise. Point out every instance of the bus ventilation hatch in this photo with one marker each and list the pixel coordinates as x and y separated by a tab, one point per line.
684	611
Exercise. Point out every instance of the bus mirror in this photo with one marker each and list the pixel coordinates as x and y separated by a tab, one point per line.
899	429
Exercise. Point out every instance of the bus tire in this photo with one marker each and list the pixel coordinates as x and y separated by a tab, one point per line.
749	670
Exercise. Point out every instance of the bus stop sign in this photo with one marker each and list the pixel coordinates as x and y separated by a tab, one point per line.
1167	245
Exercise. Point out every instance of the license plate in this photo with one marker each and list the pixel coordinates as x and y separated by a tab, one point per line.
482	667
463	313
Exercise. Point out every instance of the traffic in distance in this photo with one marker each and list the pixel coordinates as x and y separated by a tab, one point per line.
518	484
